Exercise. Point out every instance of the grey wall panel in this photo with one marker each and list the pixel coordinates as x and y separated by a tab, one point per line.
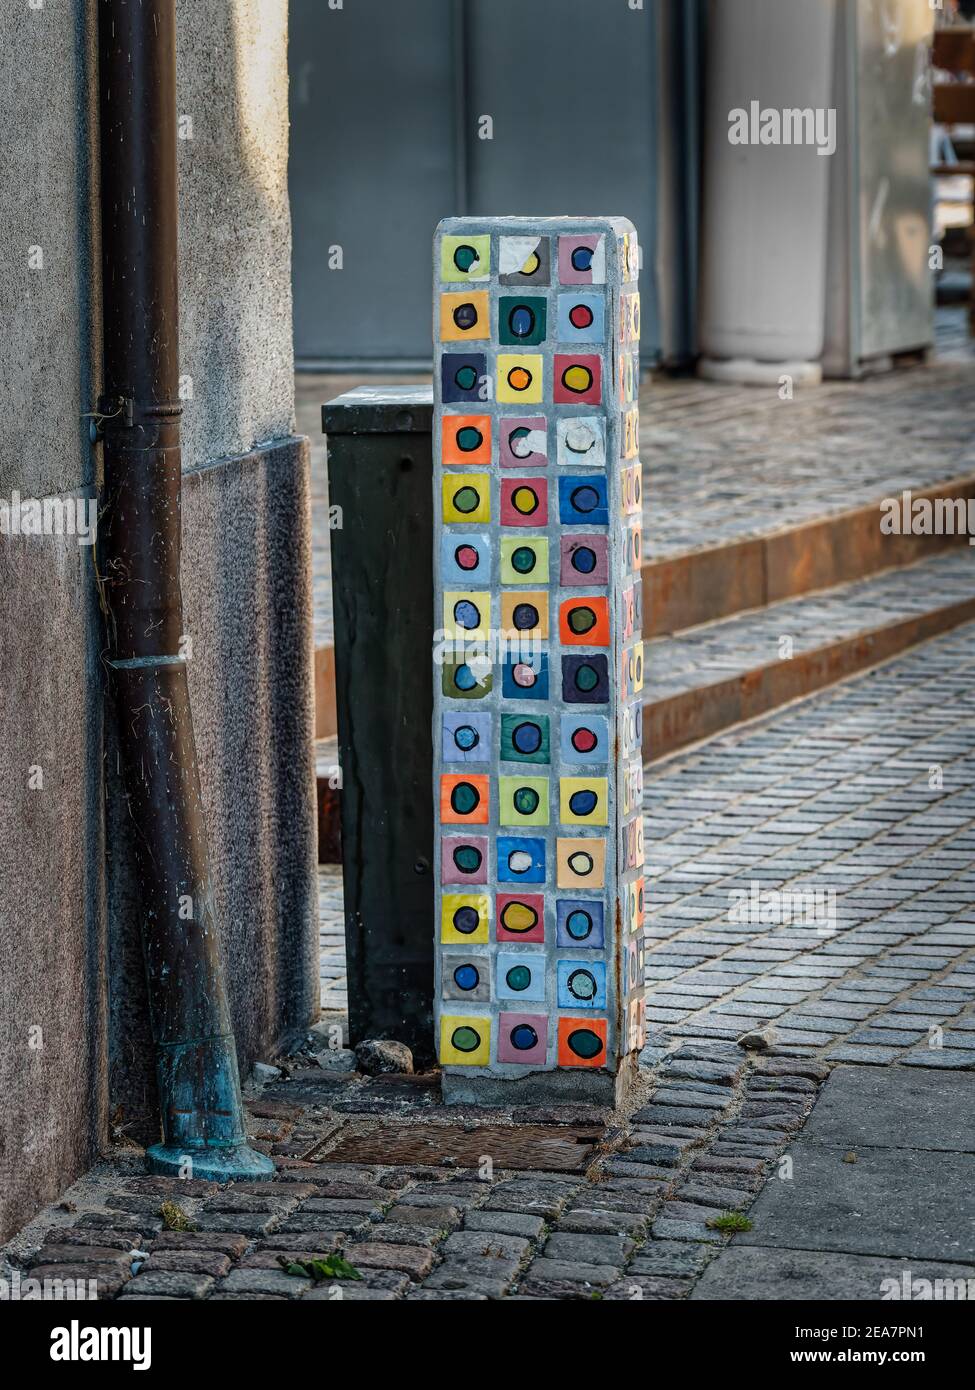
675	271
235	226
246	569
373	165
894	117
571	88
386	97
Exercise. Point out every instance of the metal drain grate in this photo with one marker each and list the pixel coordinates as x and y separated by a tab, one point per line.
546	1148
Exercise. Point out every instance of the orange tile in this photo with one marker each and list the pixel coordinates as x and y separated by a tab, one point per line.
460	431
464	798
592	1031
594	611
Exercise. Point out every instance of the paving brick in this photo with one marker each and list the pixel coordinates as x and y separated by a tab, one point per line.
866	1055
270	1258
593	1221
486	1278
886	1037
670	1259
263	1281
232	1245
441	1218
672	1229
395	1234
105	1237
641	1289
72	1254
166	1283
588	1249
383	1286
269	1203
508	1223
253	1224
409	1259
658	1114
108	1277
345	1222
723	1198
460	1196
510	1197
551	1271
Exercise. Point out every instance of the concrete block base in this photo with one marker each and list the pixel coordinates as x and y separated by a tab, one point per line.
562	1087
746	371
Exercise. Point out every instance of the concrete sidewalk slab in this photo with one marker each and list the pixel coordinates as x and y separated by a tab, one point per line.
882	1182
763	1274
895	1109
908	1203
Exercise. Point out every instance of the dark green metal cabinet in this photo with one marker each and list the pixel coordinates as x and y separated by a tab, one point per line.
380	475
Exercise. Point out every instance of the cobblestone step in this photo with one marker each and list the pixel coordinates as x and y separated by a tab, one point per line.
721	674
749	499
710	583
716	676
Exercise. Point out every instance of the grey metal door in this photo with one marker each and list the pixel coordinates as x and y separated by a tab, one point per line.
388	107
372	171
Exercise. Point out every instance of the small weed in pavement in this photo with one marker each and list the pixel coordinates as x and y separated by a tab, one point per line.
327	1267
175	1218
730	1221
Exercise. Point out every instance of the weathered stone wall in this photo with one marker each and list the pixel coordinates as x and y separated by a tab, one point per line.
73	1045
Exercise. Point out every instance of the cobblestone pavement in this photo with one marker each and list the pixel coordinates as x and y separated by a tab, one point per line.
829	795
866	792
723	463
862	801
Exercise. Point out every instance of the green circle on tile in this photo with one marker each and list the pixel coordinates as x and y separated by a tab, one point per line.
466	1039
469	439
587	678
519	977
467	499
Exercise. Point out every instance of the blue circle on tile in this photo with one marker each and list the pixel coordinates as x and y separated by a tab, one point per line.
521	321
578	924
527	738
466	738
467	977
524	1037
467	614
583	803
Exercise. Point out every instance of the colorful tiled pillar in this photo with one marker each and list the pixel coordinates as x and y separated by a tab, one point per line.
538	667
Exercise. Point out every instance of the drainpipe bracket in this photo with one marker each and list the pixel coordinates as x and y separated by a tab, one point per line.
120	408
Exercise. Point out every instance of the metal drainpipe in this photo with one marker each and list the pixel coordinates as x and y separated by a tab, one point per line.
138	566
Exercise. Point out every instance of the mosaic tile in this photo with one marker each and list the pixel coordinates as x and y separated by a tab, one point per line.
539	673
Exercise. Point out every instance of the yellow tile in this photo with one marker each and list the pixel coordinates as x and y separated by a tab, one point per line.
465	1040
572	786
475	302
459	609
462	909
466	498
519	377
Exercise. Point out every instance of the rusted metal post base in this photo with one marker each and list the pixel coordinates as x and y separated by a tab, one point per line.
203	1115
